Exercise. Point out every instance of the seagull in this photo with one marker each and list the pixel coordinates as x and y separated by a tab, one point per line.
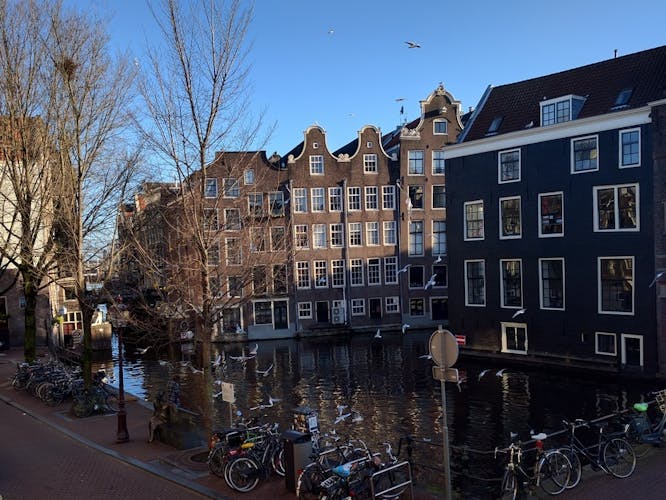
217	395
431	282
218	360
438	259
378	334
194	369
425	356
404	328
239	329
397	183
163	362
500	372
519	312
341	408
483	373
413	45
341	418
272	400
657	278
460	381
253	351
400	99
265	372
331	31
242	359
403	270
144	350
357	417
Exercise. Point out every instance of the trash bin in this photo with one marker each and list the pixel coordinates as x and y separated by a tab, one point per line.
297	451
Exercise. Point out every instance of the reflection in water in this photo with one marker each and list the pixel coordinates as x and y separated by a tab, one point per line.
392	388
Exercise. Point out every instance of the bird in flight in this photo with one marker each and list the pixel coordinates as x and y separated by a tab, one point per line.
239	329
438	259
404	328
217	395
400	99
265	372
657	278
500	372
193	368
144	350
413	45
378	334
482	374
218	360
519	312
403	270
431	282
425	356
253	351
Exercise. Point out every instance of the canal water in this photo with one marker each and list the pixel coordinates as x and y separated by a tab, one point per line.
386	386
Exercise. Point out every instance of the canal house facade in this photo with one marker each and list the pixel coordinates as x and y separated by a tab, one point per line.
556	205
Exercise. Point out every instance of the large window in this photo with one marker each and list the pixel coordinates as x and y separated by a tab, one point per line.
374	272
210	190
616	285
438	237
233	251
248	176
388	197
372	233
358	307
415	162
235	286
278	238
276	203
551	283
551	214
390	270
320	273
232	220
474	220
392	304
316	165
263	312
616	208
510	223
255	204
370	163
509	166
301	239
231	188
416	196
630	148
440	272
438	162
355	237
514	338
318	235
560	109
210	219
337	235
512	283
439	196
416	237
353	198
280	279
300	200
259	283
317	199
416	276
257	239
371	198
356	272
584	154
335	199
390	234
303	274
305	310
213	254
338	273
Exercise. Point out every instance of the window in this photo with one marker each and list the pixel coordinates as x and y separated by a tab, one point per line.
337	235
392	305
235	286
416	196
584	155
232	221
317	199
439	237
616	290
391	270
316	165
233	250
300	200
301	236
560	109
231	188
318	235
415	162
605	343
370	164
374	272
358	307
372	233
439	196
355	234
439	127
248	176
416	307
371	198
276	203
305	310
551	215
494	125
210	220
512	283
510	224
438	162
630	148
231	319
388	197
257	239
416	237
259	284
320	274
302	274
255	204
416	276
278	235
441	275
353	198
514	338
280	279
338	273
211	188
390	234
551	283
213	254
356	272
335	199
509	166
622	99
616	208
474	220
263	312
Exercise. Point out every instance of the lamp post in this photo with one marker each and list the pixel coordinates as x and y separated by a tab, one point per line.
122	436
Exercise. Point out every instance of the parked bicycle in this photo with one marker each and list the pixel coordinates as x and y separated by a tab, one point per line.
550	472
97	398
644	432
610	453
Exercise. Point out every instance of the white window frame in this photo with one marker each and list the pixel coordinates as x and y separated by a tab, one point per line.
541	304
388	197
319	236
354	198
540	215
337	231
616	229
390	233
437	162
632	279
300	200
358	307
597	335
304	310
372	238
371	198
211	185
412	162
417	299
503	305
320	270
355	229
301	230
621	155
502	235
623	347
438	121
413	252
391	305
338	274
391	270
316	164
440	234
303	277
356	271
374	270
370	163
504	337
500	173
318	194
433	196
466	221
483	263
335	201
573	154
248	176
231	191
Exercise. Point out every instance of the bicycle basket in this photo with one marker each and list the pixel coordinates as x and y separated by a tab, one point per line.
661	400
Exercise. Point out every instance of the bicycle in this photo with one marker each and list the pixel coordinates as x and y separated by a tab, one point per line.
550	472
644	433
97	398
611	453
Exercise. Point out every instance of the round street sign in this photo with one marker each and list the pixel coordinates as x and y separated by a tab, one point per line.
444	348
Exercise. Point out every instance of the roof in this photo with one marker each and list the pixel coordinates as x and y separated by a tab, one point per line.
599	83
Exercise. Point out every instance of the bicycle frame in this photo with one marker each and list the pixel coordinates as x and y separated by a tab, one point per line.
580	448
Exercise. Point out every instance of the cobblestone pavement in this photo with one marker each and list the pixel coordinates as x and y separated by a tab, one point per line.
48	453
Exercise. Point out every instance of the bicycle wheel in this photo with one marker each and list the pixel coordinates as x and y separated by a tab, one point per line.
509	488
217	461
639	444
576	469
82	407
309	482
619	458
553	472
277	461
243	474
111	402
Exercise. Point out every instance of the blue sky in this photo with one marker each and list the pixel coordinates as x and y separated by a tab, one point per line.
342	64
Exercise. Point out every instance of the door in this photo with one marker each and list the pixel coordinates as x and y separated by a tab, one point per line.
632	351
375	305
322	311
280	316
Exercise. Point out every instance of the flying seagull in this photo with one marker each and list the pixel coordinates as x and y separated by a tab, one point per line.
217	395
483	373
431	282
144	350
403	270
500	372
218	360
239	329
404	328
400	99
520	311
265	372
242	359
438	259
657	278
253	351
378	334
413	45
425	356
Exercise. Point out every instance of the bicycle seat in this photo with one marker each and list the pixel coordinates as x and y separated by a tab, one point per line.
641	407
539	437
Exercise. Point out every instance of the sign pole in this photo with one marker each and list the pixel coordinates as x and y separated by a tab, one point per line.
445	436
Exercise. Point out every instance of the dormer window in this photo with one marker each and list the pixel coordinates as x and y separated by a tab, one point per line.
622	100
495	125
561	109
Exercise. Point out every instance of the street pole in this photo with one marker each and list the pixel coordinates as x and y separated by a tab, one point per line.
445	439
122	436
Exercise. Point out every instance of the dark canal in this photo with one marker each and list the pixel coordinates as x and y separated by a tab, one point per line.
390	385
